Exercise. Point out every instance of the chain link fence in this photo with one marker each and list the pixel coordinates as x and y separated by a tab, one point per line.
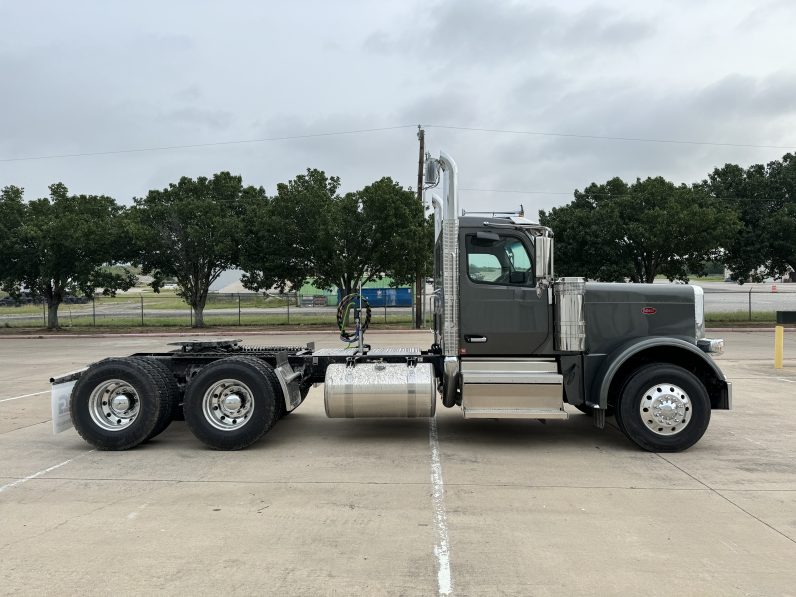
163	310
726	302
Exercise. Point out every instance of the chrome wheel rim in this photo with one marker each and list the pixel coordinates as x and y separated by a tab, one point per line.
114	405
228	404
665	409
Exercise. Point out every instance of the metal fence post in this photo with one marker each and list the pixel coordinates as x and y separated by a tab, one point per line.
142	310
238	308
385	311
44	312
288	308
94	310
750	302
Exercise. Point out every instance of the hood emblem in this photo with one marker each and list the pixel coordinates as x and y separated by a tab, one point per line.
649	310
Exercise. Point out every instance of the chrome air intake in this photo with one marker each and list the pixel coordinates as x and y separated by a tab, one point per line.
570	321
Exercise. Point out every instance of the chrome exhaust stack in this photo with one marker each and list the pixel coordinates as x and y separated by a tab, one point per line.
450	256
446	271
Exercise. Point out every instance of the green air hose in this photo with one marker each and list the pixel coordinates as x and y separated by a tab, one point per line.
347	304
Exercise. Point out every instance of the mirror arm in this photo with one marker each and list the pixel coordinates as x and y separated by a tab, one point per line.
542	286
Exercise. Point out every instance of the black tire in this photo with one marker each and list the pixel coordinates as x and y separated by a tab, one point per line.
168	387
252	373
171	384
85	409
659	376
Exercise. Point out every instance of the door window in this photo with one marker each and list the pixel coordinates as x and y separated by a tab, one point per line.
498	259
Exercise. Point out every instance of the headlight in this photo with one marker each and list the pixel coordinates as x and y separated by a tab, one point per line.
699	311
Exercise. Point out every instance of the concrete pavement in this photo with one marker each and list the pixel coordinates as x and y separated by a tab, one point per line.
341	507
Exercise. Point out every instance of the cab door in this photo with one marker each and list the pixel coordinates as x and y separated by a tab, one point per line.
500	312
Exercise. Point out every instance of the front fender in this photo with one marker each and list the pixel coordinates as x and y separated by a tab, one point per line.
677	351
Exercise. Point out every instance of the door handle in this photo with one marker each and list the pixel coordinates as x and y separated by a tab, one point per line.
475	339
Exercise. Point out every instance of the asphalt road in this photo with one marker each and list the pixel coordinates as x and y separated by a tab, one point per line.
363	507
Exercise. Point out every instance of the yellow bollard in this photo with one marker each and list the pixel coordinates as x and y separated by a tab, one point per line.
779	346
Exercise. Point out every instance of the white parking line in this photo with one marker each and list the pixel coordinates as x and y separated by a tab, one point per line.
788	380
442	546
25	396
34	475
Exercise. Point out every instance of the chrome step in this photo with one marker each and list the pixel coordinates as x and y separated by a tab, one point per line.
512	388
509	364
513	413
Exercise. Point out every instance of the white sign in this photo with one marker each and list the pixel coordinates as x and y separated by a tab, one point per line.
59	400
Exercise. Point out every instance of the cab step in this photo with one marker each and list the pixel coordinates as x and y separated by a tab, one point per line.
512	389
513	413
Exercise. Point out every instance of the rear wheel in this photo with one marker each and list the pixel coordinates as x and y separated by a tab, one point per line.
168	390
118	403
231	403
663	408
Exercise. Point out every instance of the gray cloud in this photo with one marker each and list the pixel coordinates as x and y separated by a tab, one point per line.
484	33
83	77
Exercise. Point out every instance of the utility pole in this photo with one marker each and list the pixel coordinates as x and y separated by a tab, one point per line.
419	281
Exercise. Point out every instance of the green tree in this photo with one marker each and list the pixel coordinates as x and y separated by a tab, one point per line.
283	233
617	231
191	231
403	234
12	215
62	245
308	231
377	231
765	198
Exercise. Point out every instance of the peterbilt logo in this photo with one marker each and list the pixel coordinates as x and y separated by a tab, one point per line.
649	310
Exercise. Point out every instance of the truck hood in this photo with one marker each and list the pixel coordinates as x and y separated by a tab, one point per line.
616	312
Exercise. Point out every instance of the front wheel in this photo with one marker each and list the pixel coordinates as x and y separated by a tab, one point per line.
663	408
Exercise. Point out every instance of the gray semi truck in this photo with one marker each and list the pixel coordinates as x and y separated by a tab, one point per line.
510	341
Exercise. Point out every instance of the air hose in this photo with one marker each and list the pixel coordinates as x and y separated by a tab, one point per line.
347	304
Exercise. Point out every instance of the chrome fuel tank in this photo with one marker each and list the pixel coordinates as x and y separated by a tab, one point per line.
380	390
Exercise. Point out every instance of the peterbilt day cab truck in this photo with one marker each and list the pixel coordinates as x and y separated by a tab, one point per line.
510	341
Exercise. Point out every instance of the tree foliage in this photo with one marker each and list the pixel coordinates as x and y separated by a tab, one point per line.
370	233
283	232
308	231
617	231
60	245
191	231
12	215
765	198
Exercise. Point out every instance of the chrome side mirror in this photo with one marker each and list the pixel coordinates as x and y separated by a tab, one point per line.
543	261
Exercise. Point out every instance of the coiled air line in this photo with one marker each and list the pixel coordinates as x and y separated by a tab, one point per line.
353	302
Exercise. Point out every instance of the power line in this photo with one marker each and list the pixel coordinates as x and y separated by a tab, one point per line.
591	194
608	138
390	128
212	144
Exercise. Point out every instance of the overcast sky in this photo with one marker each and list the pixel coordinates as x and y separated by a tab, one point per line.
100	76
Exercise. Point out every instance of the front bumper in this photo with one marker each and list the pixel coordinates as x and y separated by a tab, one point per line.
711	345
